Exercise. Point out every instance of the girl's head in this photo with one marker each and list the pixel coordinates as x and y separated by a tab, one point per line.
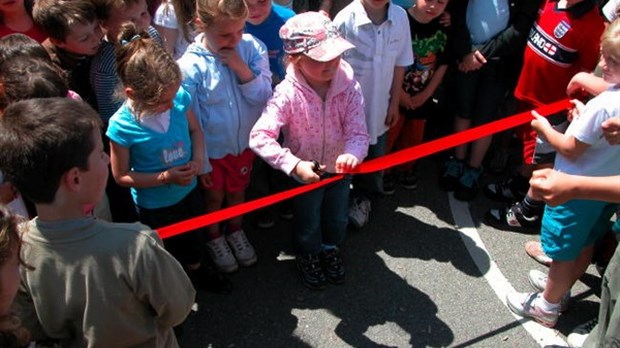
610	52
114	13
9	276
20	46
149	74
30	78
222	22
185	11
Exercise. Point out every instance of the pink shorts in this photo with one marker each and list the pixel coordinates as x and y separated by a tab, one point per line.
232	173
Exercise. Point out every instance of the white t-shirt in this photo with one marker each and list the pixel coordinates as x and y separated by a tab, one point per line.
378	49
166	17
600	159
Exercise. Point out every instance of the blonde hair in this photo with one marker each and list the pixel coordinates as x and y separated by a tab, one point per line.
610	43
10	243
145	67
208	11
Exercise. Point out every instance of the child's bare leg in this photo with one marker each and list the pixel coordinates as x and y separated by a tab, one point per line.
214	202
461	124
479	149
563	274
234	198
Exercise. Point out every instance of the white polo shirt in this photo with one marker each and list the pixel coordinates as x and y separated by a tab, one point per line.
378	49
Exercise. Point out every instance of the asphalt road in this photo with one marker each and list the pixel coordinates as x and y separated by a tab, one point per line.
425	272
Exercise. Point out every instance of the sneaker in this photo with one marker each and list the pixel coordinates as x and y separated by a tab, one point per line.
287	212
538	281
512	219
208	279
359	212
577	338
453	169
509	190
265	221
409	180
389	183
534	250
524	304
310	271
333	266
221	255
241	247
467	188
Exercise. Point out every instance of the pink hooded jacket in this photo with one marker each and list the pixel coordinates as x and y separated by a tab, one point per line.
313	129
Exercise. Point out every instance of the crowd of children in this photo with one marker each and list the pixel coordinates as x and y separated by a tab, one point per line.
154	112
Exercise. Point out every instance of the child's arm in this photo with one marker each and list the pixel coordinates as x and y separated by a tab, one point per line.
567	145
397	83
355	132
124	176
230	57
556	188
258	89
199	161
588	83
428	91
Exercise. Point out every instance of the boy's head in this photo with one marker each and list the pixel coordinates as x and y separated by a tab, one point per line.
258	11
314	35
375	5
20	46
610	52
427	10
222	22
71	24
52	143
114	13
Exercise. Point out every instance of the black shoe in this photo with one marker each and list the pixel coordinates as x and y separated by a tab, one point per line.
467	188
265	221
389	183
208	279
333	266
512	189
287	212
310	271
453	169
512	219
409	180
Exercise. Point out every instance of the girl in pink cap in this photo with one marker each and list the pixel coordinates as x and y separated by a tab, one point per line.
319	109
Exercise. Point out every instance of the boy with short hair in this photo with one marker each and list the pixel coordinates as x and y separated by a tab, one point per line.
74	38
88	282
380	32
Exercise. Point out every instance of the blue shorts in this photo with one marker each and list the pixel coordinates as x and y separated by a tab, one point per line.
572	226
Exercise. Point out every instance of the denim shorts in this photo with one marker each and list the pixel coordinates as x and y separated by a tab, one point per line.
574	225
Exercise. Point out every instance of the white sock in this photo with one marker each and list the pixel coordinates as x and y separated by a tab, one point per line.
546	306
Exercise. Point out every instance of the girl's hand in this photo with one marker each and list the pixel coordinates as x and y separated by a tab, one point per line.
205	180
346	163
392	116
305	171
539	122
7	192
418	100
611	130
445	19
576	110
472	61
196	167
181	175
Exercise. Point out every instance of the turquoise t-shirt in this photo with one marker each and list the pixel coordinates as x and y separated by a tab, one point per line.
153	152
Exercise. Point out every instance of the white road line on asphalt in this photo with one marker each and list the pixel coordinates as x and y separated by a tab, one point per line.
469	234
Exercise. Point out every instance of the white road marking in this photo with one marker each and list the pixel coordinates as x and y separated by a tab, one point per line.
464	224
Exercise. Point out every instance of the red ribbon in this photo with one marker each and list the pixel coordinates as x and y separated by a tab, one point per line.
381	163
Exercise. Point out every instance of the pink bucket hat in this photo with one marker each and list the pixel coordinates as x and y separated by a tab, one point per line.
314	35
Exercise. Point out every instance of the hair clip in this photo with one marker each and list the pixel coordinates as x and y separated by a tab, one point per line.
134	38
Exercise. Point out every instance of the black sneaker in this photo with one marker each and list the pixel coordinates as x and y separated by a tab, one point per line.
310	271
512	219
509	190
265	221
467	188
453	169
333	266
208	279
409	180
389	183
287	212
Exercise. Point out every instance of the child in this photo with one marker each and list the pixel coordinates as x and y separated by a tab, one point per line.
12	333
17	46
430	47
92	283
319	108
103	79
227	73
173	20
559	46
16	17
569	230
74	38
157	148
380	32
